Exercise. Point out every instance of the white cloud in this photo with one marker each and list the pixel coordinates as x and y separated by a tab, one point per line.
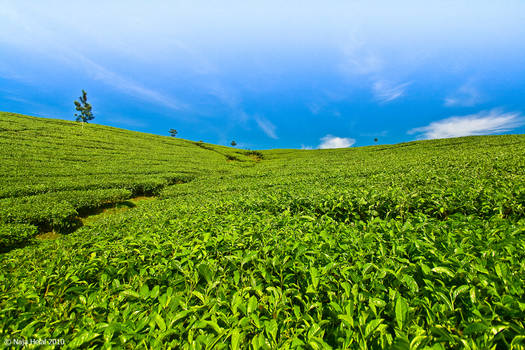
306	147
266	126
482	123
330	141
466	96
385	91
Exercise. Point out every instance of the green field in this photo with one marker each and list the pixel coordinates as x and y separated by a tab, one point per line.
416	245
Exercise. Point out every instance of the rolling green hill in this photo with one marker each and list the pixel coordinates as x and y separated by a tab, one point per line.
415	245
52	169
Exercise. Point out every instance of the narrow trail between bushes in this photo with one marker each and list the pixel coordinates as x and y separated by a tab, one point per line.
90	216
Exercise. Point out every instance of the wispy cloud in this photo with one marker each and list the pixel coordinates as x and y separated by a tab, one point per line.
266	126
54	46
10	72
385	91
359	60
330	141
375	134
18	99
482	123
127	121
224	94
306	147
121	83
466	96
314	107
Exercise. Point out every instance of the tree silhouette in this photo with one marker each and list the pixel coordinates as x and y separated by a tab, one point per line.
233	143
173	132
84	108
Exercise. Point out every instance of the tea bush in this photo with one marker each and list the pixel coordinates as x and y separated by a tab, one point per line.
418	245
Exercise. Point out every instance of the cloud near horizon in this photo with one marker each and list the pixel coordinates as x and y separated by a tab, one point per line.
330	141
482	123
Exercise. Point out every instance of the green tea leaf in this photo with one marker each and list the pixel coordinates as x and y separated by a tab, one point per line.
160	322
443	270
401	311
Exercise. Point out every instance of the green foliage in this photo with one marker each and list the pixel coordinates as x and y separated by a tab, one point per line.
57	210
255	154
13	235
411	246
173	132
84	108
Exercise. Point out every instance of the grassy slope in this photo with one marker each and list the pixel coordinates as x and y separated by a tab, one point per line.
52	151
375	245
47	161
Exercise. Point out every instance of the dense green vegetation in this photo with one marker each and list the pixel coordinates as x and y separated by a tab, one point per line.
416	245
52	169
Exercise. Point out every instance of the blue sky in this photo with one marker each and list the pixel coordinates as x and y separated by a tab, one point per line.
271	74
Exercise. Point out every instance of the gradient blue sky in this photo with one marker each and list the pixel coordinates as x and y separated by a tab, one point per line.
271	74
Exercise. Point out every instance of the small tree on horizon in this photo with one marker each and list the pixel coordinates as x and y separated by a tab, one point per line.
233	143
84	108
173	133
375	140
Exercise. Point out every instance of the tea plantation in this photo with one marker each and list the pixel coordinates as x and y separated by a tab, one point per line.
418	245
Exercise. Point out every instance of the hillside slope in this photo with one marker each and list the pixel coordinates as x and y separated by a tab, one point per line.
416	245
50	168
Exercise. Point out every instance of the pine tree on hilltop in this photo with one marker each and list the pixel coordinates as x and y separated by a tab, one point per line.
84	108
